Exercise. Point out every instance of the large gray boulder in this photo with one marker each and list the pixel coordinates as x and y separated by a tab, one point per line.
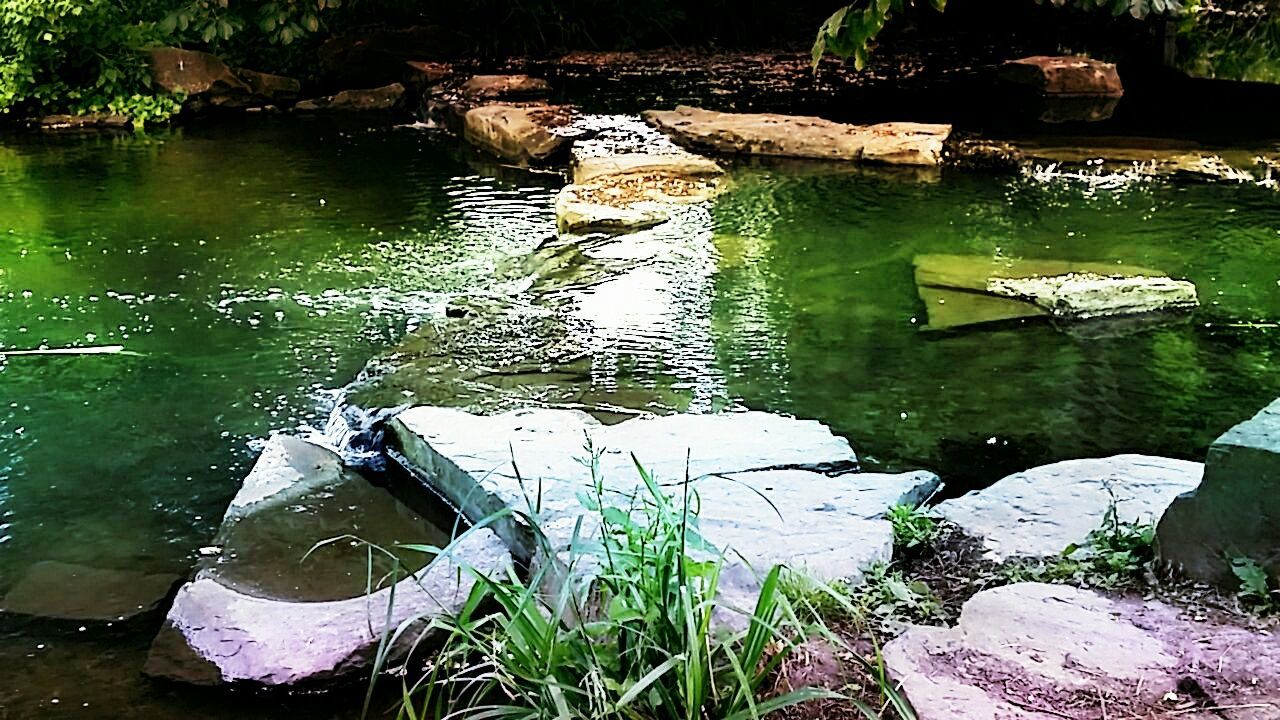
774	489
1038	513
894	143
258	614
1235	511
1045	652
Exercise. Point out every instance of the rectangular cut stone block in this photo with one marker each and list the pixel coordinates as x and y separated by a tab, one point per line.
771	489
1236	510
891	143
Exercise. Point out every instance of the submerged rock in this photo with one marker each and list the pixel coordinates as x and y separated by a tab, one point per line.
1235	511
1039	512
88	121
960	290
382	98
256	613
1043	652
897	143
774	489
518	134
62	591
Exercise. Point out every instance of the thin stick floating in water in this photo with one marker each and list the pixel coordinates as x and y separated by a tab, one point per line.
94	350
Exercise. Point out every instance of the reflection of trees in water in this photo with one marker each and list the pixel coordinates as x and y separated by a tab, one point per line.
1232	40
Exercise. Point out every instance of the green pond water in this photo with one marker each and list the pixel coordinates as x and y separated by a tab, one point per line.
256	267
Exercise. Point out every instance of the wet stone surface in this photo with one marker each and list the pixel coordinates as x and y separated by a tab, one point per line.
62	591
260	614
774	489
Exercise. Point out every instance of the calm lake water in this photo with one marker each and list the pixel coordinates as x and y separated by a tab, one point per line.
255	268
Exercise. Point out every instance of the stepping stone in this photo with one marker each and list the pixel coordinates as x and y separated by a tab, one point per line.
894	143
774	489
258	614
1038	513
960	290
63	591
1046	652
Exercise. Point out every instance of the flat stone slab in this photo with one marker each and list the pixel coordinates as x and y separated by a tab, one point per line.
505	86
629	191
578	212
1038	652
1235	512
63	591
1083	296
1065	75
894	143
518	134
774	489
257	613
961	290
216	635
673	164
373	99
1039	512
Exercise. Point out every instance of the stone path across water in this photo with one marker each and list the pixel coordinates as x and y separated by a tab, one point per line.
774	489
238	621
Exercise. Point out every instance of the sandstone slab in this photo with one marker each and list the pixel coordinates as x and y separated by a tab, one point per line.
1235	511
371	57
518	134
1065	75
767	485
1037	652
960	290
194	73
493	87
1039	512
270	88
628	177
386	97
256	613
1089	295
87	121
574	214
672	164
895	143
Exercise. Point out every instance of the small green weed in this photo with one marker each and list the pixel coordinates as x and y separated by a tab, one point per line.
1117	553
885	596
623	630
1255	586
912	527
